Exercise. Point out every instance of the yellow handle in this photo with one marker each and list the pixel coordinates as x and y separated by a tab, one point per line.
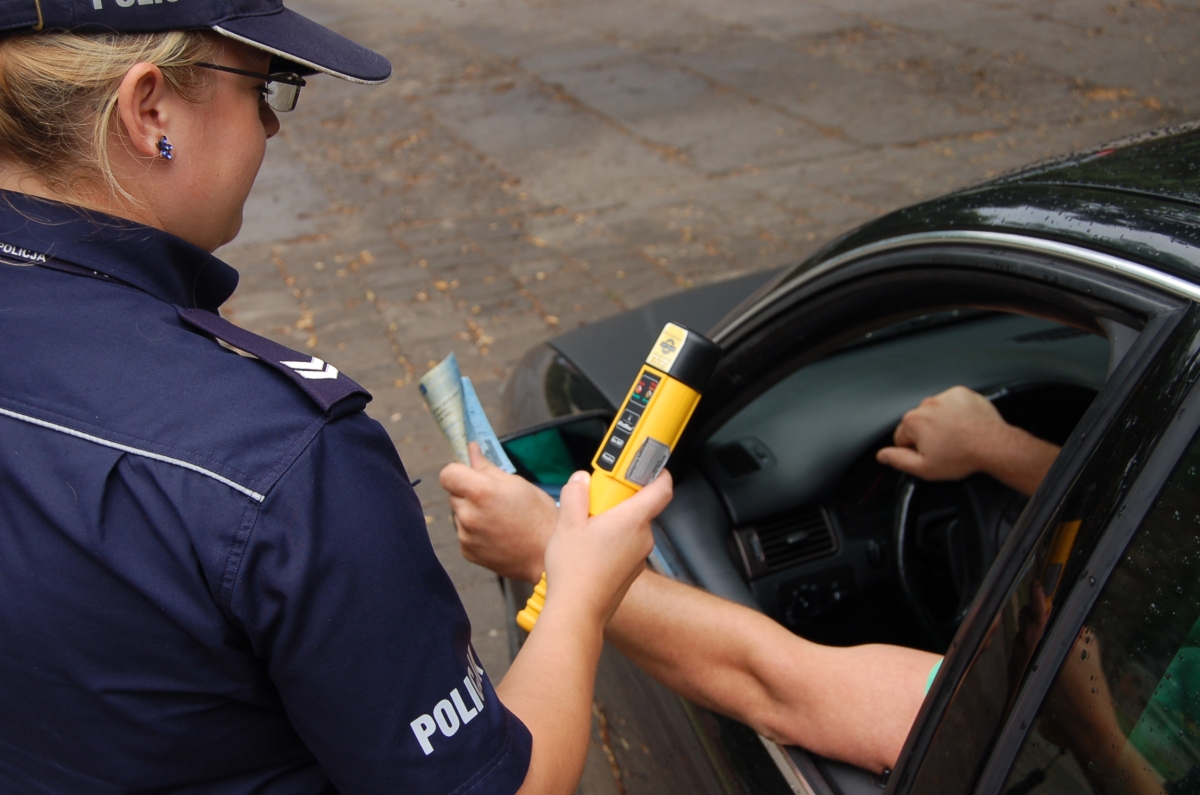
601	498
533	607
605	492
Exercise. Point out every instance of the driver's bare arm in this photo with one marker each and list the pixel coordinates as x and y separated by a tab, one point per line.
852	704
589	564
958	433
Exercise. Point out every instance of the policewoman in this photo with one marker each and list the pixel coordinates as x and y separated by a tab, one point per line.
214	573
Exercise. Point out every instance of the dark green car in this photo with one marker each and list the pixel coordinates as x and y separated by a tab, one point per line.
1069	294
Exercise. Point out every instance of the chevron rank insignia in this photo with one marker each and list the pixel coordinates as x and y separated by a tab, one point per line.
330	389
316	370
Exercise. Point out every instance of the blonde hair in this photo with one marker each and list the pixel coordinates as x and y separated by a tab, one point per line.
58	98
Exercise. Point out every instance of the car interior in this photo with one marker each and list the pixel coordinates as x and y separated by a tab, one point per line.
845	550
834	545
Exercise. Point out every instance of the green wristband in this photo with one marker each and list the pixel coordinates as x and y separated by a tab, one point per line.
937	666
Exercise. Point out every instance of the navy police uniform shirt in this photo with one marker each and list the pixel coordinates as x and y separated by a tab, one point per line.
214	574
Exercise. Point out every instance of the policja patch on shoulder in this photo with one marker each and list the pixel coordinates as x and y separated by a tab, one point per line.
330	389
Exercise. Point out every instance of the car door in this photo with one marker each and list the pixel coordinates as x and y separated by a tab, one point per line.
975	733
914	281
1121	711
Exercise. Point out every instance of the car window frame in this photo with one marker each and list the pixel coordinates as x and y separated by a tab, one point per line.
793	279
1179	435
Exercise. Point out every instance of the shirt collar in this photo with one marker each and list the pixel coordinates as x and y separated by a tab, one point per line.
165	266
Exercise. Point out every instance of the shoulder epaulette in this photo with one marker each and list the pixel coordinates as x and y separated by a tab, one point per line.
334	392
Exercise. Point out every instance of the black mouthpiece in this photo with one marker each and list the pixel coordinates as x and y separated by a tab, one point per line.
685	355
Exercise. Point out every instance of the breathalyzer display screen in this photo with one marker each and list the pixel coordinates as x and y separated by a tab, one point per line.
648	462
630	415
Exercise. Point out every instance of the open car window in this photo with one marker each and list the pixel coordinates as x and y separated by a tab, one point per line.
780	504
791	443
814	515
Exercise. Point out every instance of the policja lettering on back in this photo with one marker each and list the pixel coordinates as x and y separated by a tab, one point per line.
31	257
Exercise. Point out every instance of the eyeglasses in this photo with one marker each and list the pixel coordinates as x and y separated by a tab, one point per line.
281	91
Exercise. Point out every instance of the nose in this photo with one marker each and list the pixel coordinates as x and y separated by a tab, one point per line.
270	121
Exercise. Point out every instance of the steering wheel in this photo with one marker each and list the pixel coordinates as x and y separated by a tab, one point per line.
945	537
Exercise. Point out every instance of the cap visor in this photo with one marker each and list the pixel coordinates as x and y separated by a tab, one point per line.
297	38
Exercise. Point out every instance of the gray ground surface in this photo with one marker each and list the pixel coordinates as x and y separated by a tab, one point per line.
535	165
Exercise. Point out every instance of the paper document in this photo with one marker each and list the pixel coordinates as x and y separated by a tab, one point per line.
456	409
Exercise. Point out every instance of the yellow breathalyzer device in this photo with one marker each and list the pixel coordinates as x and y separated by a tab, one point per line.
1056	560
646	428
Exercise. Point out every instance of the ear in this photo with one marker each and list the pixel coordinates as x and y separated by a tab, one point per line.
143	107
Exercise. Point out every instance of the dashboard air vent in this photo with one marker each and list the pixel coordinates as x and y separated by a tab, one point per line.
786	540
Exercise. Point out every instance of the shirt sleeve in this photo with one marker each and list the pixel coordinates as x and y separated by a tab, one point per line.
340	593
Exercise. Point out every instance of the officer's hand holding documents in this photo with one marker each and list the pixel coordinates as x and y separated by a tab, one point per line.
456	409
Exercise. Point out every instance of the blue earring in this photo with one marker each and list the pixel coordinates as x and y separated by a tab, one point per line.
165	149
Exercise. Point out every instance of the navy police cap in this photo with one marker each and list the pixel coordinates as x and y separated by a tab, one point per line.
262	24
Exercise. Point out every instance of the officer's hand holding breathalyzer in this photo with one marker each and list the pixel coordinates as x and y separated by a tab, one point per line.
600	540
505	523
593	560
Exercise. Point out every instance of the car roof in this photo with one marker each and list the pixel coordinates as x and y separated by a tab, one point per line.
1163	163
1136	199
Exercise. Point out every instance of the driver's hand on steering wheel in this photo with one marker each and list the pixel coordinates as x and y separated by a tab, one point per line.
958	433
